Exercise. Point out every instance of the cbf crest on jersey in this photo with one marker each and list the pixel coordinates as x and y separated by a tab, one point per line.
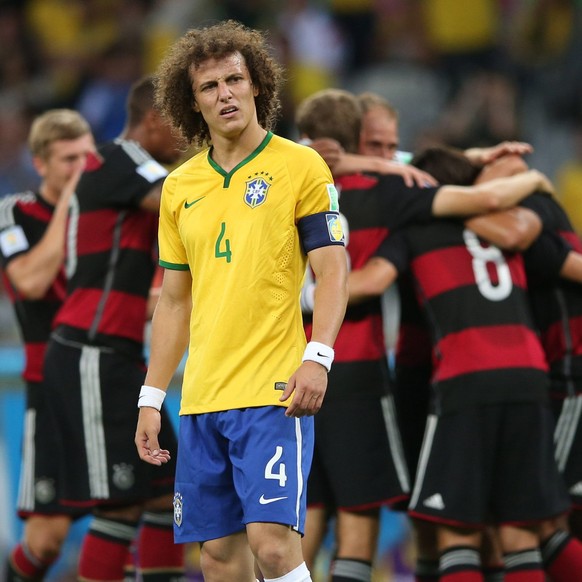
334	227
256	191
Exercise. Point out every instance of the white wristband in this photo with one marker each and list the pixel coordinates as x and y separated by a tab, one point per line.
152	397
320	353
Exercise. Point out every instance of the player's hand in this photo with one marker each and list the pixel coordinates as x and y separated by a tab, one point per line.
490	154
308	386
410	174
149	424
545	184
329	149
71	185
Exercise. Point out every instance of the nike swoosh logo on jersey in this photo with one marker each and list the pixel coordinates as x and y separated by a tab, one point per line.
264	501
188	204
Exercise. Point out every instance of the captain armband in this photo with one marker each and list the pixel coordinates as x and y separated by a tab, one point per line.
151	397
320	353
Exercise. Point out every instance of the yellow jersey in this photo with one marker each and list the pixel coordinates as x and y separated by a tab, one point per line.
239	235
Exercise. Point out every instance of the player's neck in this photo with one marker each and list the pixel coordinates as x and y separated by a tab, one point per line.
48	194
228	153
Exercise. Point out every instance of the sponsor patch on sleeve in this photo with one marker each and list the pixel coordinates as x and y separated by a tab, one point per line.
152	171
333	197
334	228
13	240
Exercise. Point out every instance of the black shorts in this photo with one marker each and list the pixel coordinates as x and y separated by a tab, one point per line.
568	441
358	461
92	398
412	399
489	464
37	493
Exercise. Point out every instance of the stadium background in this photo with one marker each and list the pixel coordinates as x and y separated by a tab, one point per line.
463	73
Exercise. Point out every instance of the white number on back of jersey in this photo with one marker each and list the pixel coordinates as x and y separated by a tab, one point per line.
270	473
492	255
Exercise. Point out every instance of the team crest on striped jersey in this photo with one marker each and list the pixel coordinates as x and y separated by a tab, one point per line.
177	503
256	192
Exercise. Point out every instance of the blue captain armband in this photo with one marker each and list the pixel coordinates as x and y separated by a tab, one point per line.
321	230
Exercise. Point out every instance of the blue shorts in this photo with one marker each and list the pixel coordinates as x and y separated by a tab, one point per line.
240	466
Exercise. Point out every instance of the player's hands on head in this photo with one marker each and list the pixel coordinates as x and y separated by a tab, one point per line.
488	155
308	386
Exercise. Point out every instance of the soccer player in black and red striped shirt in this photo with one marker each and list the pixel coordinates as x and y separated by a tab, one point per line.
374	206
489	380
32	248
94	366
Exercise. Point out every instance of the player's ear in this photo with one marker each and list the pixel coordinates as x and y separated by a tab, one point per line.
195	106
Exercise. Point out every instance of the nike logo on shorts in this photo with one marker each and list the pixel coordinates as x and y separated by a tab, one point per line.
264	501
188	204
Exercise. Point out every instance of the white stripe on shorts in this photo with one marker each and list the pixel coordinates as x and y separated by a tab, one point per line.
431	425
299	440
396	449
566	429
26	485
93	423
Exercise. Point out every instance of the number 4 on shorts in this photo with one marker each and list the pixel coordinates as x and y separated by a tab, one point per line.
281	476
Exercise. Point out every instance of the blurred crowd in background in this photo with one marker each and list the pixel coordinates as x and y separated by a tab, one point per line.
461	73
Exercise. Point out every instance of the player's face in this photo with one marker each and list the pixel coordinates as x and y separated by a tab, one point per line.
64	158
379	134
224	95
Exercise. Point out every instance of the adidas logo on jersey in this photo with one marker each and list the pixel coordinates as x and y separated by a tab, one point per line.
576	489
434	501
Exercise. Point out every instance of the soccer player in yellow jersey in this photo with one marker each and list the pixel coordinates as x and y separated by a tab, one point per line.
237	223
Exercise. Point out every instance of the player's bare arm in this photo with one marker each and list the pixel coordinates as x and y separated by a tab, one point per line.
371	280
514	229
490	196
353	163
151	201
309	383
572	267
33	272
488	155
168	344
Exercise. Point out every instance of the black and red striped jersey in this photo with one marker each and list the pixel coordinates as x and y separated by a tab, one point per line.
373	206
111	249
413	346
556	302
24	219
474	296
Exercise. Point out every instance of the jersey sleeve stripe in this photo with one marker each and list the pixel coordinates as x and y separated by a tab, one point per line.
174	266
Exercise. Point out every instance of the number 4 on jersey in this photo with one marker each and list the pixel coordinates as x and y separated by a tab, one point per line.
218	247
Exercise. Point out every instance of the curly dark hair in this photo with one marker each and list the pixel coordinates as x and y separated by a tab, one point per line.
174	95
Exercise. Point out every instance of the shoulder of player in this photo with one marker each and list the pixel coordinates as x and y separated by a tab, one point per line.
198	161
125	148
9	202
287	147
